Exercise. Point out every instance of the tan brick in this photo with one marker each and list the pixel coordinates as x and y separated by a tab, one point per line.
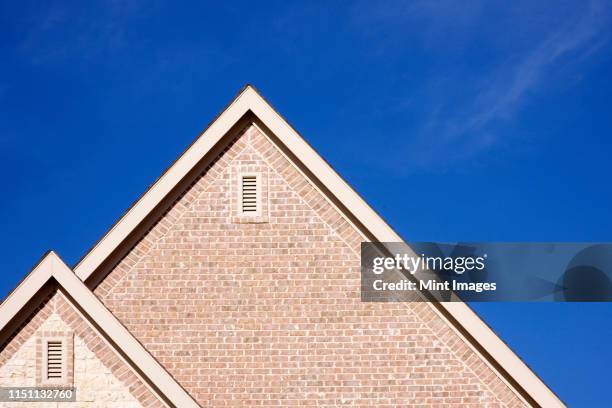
269	314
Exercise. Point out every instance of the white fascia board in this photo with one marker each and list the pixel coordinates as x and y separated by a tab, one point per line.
26	290
203	144
250	100
53	267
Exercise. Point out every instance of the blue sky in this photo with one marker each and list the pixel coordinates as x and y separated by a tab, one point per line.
457	121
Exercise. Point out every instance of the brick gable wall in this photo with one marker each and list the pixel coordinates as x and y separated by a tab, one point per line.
99	376
269	314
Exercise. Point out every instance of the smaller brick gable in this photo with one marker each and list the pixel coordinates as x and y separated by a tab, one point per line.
91	350
101	378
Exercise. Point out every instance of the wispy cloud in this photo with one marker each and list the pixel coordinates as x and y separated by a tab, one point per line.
461	125
56	32
507	88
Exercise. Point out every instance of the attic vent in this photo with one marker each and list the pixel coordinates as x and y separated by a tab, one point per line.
250	192
55	360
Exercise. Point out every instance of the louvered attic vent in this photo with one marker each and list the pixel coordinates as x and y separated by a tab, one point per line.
250	194
55	360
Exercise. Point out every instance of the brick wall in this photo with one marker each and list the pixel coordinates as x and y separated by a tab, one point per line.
100	378
268	314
